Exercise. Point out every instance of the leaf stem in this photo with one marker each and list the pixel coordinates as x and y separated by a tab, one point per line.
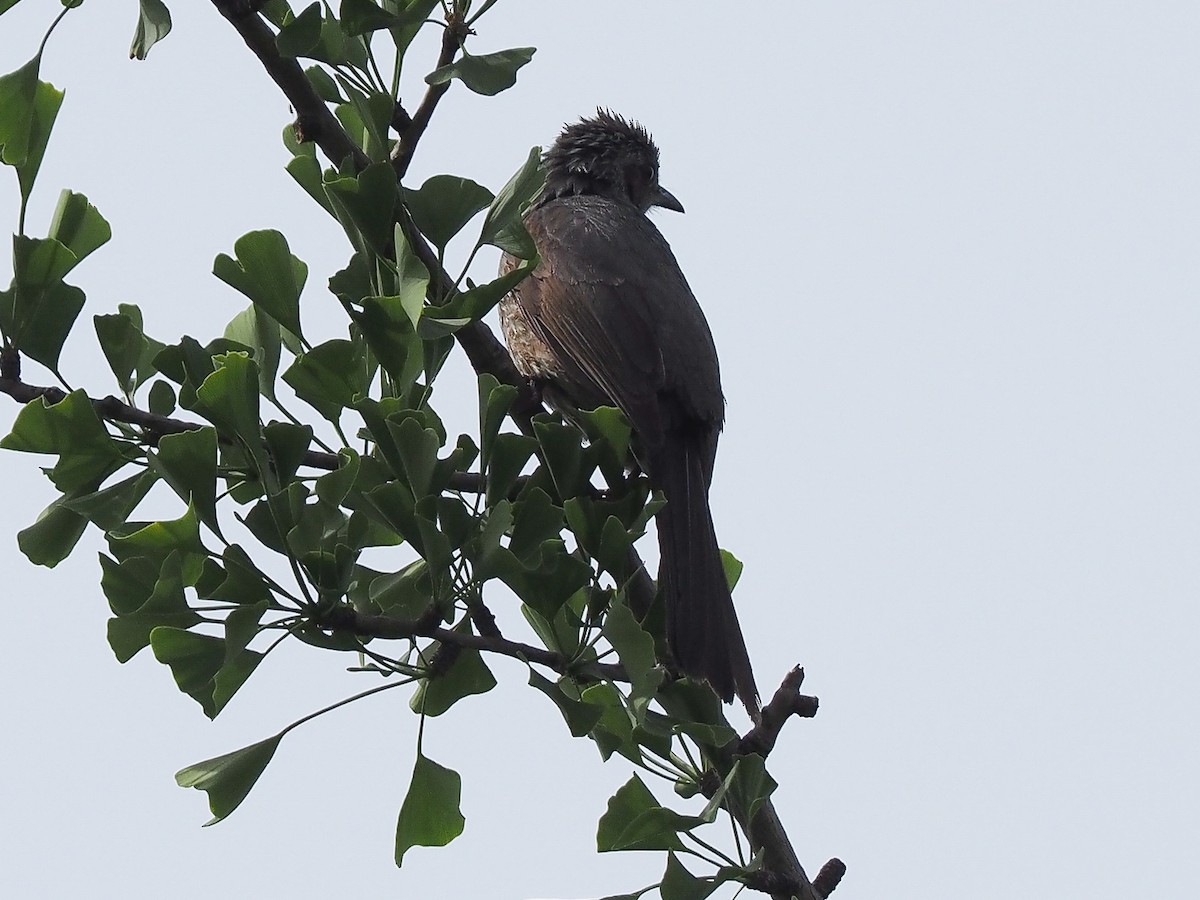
345	702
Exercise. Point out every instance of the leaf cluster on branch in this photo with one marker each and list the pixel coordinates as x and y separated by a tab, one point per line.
281	492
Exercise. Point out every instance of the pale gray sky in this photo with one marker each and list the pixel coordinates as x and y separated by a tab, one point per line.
948	251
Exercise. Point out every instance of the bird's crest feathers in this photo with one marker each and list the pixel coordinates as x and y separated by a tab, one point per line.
605	155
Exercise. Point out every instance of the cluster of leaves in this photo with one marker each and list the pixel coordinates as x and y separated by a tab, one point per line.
505	507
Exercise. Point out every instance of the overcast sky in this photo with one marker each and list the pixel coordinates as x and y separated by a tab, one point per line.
949	254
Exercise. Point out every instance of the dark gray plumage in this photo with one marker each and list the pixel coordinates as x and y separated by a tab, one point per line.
607	319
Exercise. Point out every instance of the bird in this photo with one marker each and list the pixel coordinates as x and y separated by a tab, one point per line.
606	318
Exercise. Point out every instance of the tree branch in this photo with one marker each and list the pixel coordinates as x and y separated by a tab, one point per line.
318	124
786	702
487	355
348	620
452	41
154	427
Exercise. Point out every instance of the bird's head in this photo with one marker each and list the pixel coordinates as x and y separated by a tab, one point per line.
606	156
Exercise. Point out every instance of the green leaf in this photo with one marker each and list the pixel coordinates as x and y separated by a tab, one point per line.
697	712
266	271
28	108
558	630
194	659
634	820
418	447
17	92
38	311
307	172
243	583
154	24
300	36
468	675
241	627
388	327
333	487
188	364
274	516
477	13
563	455
128	585
580	717
287	443
609	425
495	400
263	335
479	300
229	397
680	884
509	455
545	583
47	319
277	12
123	344
324	85
362	16
237	668
71	429
353	283
503	227
413	277
205	667
635	649
488	74
41	262
162	398
126	581
733	568
407	593
367	119
613	732
444	205
751	784
145	365
228	779
111	507
78	225
50	539
457	521
46	102
157	540
330	571
536	520
430	815
330	376
410	21
338	48
365	206
188	463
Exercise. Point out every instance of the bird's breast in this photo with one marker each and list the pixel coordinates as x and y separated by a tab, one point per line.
529	352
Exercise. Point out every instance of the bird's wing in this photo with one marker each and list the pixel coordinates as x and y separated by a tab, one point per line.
609	298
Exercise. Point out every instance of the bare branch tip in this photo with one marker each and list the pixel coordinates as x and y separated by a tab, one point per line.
829	877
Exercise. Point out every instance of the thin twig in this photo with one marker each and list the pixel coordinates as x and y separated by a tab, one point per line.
402	156
347	620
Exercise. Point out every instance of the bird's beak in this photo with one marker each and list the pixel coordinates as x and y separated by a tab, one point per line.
666	200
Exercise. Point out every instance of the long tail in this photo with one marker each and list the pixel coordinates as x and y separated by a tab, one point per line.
702	626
